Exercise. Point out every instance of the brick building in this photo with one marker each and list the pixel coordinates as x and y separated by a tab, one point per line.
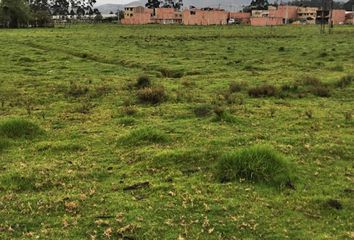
204	16
240	17
137	15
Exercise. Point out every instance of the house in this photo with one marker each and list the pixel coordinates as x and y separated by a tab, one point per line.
307	14
285	12
338	16
240	17
167	16
134	15
204	16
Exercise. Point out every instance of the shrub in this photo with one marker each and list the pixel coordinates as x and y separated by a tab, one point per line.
345	81
263	91
237	86
144	136
202	110
143	81
152	95
19	128
321	91
257	164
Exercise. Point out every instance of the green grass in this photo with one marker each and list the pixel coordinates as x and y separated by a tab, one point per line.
19	128
79	84
257	164
143	136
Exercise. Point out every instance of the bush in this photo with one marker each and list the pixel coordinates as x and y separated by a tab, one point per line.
263	91
257	164
144	136
345	81
202	110
143	81
321	91
237	86
153	95
19	128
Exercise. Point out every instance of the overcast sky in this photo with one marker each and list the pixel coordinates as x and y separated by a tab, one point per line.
100	2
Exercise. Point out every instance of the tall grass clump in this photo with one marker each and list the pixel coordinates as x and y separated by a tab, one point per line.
259	164
143	81
19	128
263	91
153	95
142	136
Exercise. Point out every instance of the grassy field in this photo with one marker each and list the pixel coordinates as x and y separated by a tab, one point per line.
89	152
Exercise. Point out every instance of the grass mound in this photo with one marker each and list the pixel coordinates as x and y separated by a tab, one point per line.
257	164
144	136
19	128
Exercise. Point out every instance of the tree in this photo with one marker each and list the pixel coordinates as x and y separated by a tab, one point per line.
153	4
14	13
40	10
177	4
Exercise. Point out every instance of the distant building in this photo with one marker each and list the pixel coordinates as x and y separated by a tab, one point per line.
307	14
136	15
204	16
279	15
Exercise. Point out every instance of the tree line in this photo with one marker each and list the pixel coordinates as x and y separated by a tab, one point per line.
23	13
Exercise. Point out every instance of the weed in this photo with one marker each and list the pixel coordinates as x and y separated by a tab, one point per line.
153	95
143	81
256	164
19	128
345	81
323	55
202	110
144	136
221	115
281	49
263	91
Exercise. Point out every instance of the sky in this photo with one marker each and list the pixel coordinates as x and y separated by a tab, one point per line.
100	2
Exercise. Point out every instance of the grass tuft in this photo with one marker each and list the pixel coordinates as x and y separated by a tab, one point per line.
143	81
263	91
142	136
202	110
19	128
153	95
259	164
